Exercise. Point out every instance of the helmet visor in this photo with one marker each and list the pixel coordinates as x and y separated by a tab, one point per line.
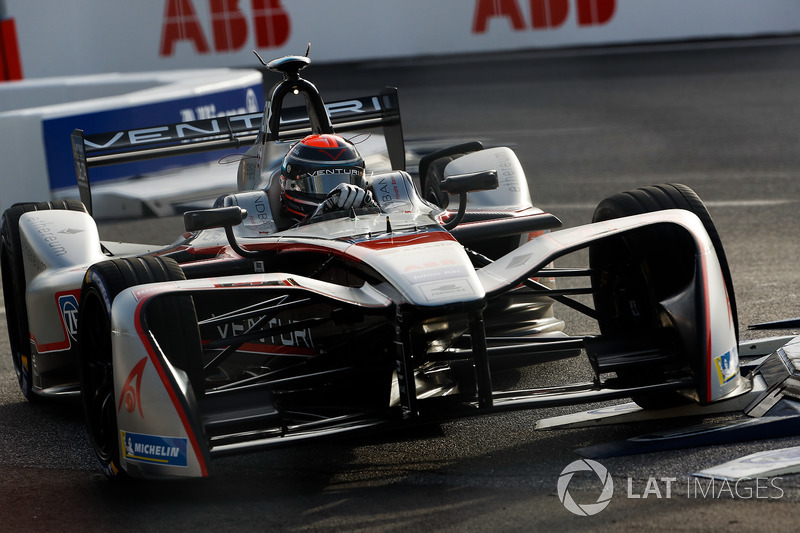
323	182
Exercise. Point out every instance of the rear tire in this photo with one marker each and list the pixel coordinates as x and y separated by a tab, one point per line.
432	191
649	267
431	170
14	287
171	319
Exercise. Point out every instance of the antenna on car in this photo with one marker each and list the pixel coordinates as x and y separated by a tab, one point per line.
259	58
308	52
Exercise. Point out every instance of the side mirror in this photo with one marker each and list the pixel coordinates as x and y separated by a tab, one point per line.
473	181
461	184
220	217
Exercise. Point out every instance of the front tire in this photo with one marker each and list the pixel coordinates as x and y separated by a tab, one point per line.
103	282
639	269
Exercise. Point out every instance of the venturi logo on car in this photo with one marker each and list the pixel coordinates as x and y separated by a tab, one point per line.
298	338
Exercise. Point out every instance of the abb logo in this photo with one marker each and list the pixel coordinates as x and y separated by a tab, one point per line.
544	13
229	25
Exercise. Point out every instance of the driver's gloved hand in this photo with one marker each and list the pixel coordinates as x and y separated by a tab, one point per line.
344	196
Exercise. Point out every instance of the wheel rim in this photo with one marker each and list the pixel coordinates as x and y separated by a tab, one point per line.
97	376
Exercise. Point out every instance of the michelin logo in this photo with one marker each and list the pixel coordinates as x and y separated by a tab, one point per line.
154	449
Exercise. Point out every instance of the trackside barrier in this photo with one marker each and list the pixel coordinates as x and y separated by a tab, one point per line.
179	34
37	118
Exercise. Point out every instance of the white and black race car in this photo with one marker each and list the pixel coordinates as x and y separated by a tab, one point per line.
240	335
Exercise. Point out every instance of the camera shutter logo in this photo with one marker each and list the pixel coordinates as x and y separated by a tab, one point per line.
586	509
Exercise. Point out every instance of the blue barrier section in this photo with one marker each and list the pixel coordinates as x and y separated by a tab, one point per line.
58	149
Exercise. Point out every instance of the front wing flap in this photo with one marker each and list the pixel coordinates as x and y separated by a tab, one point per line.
161	428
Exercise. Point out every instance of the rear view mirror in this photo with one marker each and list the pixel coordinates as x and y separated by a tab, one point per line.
220	217
474	181
461	184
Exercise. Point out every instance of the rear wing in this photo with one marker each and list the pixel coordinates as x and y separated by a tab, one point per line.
233	132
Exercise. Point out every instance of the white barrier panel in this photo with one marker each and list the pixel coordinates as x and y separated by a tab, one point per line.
38	116
94	36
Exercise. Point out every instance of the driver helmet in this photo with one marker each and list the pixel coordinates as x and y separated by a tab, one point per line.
313	167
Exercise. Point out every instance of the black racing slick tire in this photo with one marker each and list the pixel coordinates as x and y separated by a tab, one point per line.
171	319
13	273
431	170
432	191
644	267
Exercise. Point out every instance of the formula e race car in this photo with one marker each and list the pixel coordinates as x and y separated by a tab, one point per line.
242	335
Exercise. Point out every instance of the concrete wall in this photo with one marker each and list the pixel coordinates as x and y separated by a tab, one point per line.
58	37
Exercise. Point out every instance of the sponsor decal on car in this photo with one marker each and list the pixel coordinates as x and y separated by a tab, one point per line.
68	305
297	338
68	309
392	194
147	290
727	366
154	449
129	397
508	176
433	271
447	289
48	233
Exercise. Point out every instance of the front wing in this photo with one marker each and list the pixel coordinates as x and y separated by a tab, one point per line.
161	430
